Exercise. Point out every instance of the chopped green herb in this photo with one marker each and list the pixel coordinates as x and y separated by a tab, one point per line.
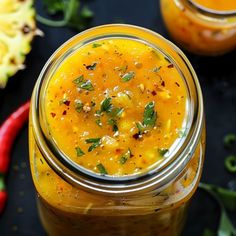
149	116
125	156
128	76
229	140
96	45
95	143
102	169
163	151
106	105
140	127
91	67
156	69
79	80
83	83
98	122
78	106
230	163
79	152
222	196
113	123
116	112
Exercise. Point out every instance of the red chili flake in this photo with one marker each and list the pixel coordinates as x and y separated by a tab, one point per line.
163	83
136	136
154	93
170	66
64	113
118	150
53	114
177	84
66	102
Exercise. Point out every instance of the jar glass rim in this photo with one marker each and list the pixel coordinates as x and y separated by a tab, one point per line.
211	12
109	183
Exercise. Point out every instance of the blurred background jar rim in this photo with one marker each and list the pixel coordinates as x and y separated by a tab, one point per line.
156	177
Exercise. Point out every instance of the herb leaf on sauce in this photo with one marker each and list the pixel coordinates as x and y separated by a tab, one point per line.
79	152
102	169
163	151
113	123
95	143
106	105
128	76
125	157
150	115
83	83
96	45
78	106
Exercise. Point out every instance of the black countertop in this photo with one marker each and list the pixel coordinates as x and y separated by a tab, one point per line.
218	80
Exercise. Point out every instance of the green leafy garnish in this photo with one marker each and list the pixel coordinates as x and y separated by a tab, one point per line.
98	122
102	169
72	17
224	198
91	67
78	106
96	45
125	157
128	76
229	140
230	163
83	83
95	143
113	123
106	105
141	128
163	151
150	115
79	152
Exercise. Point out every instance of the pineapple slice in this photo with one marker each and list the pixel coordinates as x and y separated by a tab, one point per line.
17	29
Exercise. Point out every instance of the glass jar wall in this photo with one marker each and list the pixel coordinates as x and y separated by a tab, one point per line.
72	200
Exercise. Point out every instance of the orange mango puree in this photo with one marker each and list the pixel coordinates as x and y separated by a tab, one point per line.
220	5
116	106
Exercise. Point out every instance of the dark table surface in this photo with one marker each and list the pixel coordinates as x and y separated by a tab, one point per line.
218	80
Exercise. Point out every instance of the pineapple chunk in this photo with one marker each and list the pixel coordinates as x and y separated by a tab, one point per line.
17	29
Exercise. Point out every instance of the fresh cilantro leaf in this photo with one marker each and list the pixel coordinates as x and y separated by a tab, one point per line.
98	122
95	143
78	106
163	151
71	15
102	169
141	128
106	105
83	83
79	152
113	123
125	157
149	116
96	45
128	76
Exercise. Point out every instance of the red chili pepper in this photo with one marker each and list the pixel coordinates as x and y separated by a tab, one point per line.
8	132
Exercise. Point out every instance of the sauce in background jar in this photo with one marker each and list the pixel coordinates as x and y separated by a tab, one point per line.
201	26
116	135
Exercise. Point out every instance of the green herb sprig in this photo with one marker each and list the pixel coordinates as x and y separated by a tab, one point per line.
227	200
102	169
83	83
125	156
72	15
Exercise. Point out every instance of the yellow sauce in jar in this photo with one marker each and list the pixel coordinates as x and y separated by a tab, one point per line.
219	5
118	104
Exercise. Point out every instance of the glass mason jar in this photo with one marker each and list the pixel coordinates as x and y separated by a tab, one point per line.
74	201
198	29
